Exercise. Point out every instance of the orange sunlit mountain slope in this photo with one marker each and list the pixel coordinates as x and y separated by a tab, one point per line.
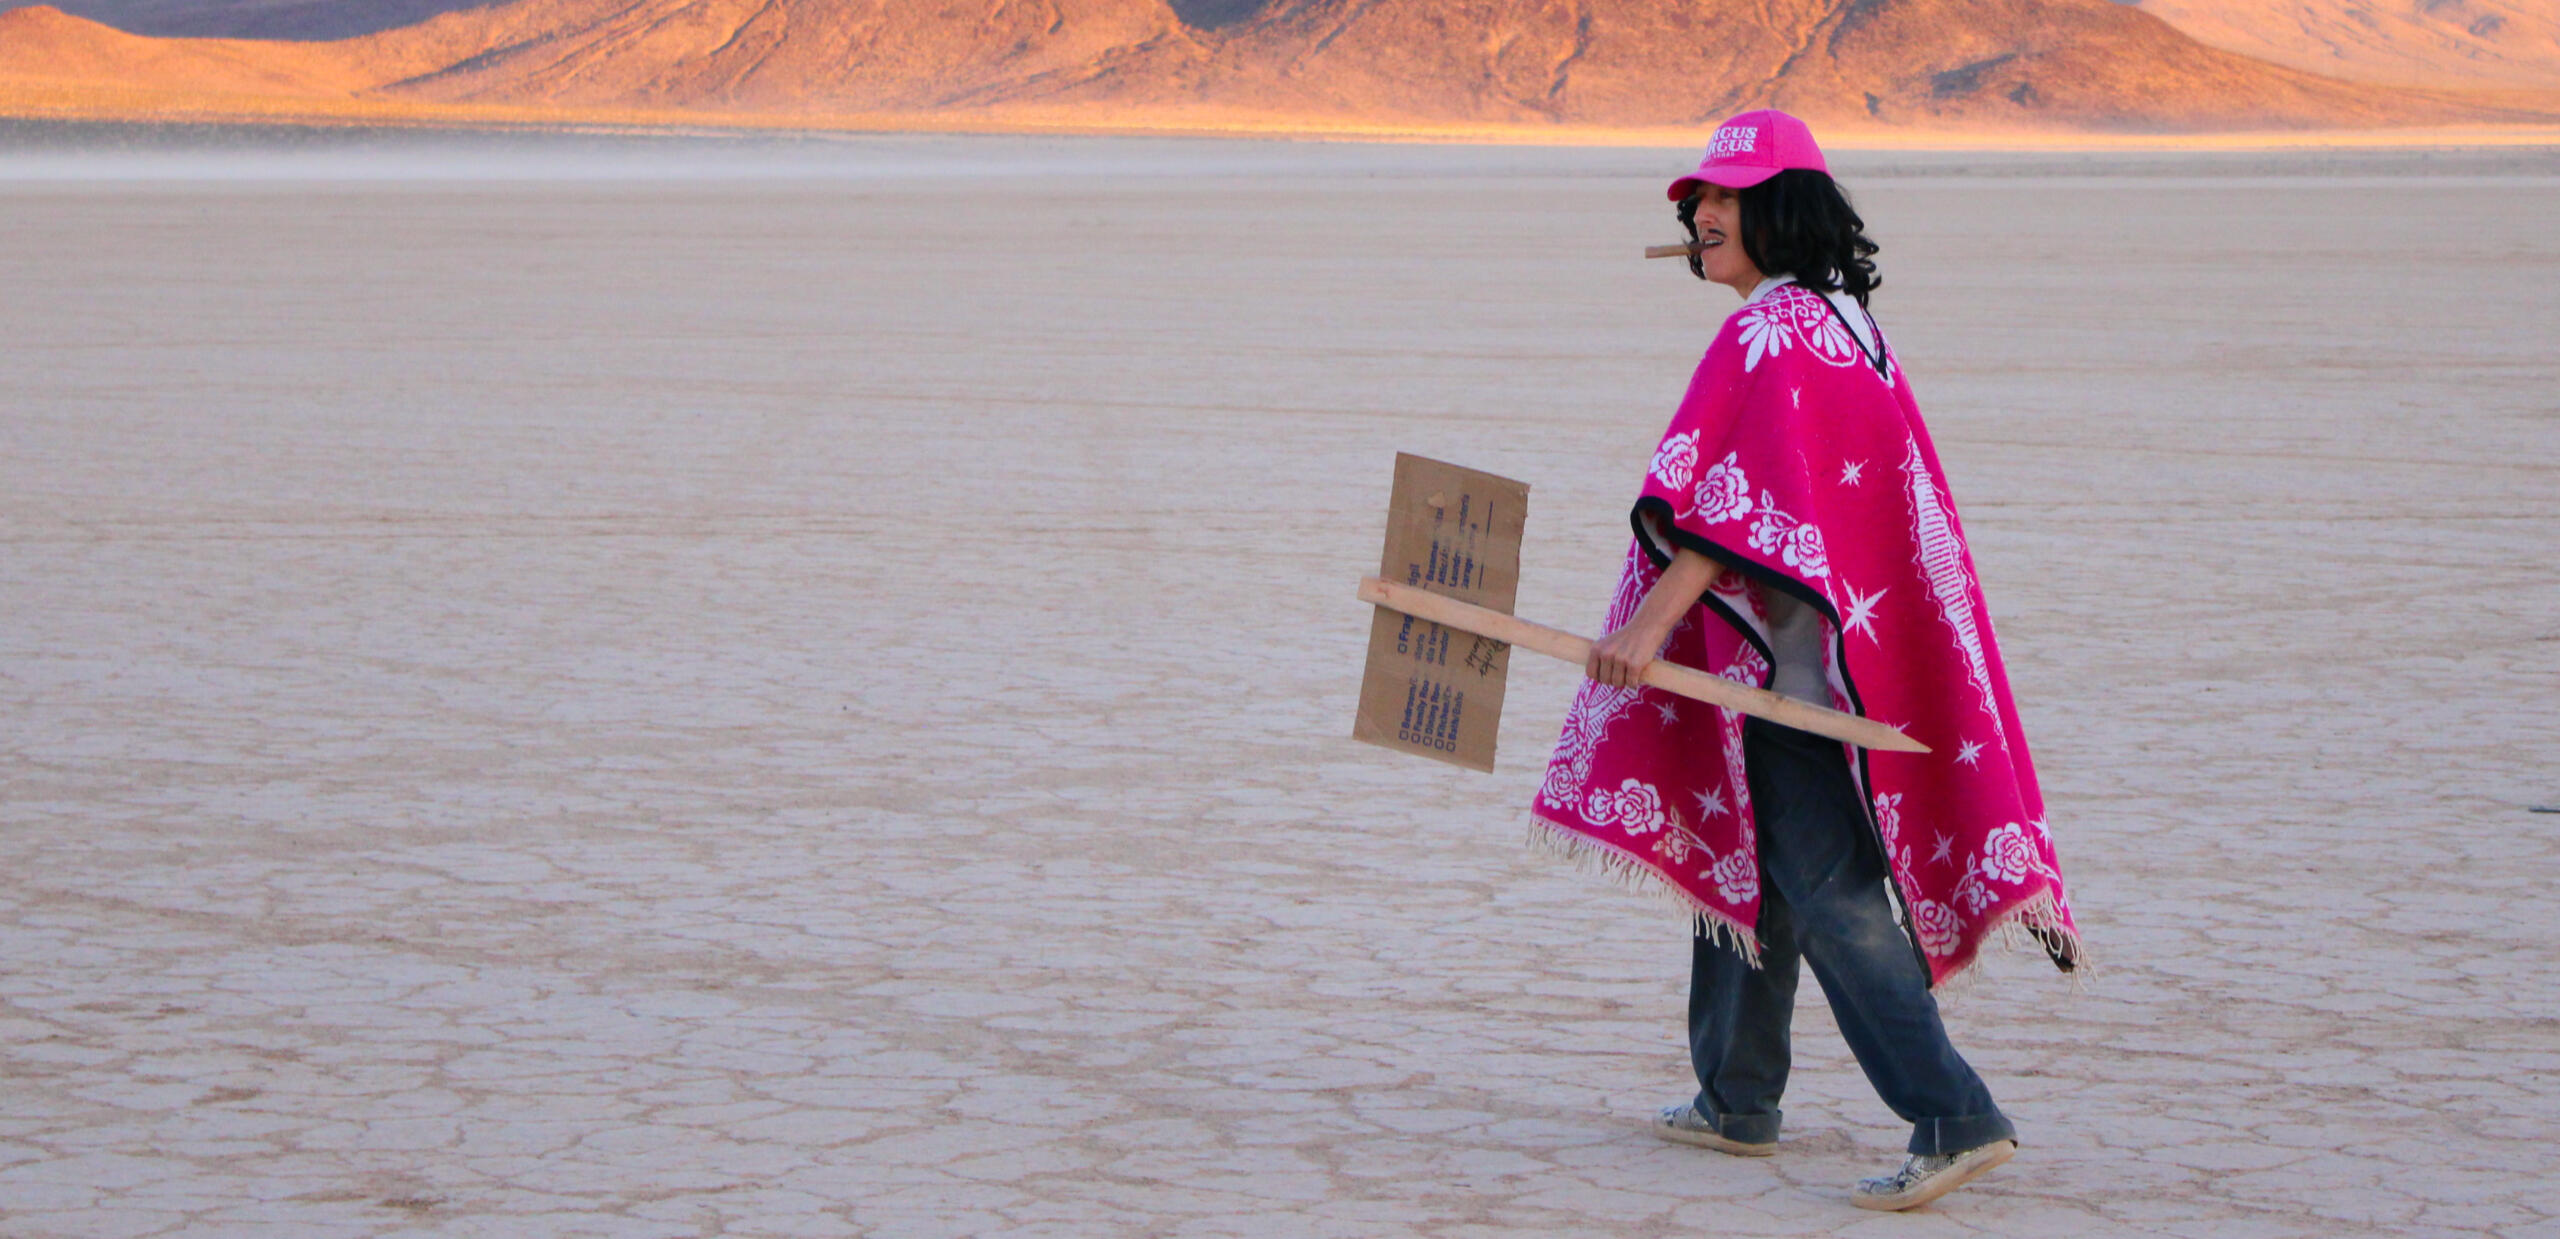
2027	64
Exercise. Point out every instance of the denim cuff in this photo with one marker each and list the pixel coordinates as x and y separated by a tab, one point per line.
1948	1137
1745	1128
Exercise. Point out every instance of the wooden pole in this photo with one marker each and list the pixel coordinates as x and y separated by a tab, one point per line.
1670	677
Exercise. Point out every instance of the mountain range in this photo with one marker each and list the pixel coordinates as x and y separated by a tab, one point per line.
2005	64
2425	43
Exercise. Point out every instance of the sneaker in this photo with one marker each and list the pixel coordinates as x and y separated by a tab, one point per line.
1684	1125
1925	1178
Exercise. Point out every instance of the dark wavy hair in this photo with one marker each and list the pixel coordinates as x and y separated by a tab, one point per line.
1799	223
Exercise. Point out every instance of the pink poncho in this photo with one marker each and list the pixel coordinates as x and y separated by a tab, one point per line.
1799	461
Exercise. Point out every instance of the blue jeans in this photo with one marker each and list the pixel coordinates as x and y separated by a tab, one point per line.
1822	898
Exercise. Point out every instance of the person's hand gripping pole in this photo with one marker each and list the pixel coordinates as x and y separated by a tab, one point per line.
1618	659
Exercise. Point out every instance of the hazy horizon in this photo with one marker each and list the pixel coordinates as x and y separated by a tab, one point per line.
38	151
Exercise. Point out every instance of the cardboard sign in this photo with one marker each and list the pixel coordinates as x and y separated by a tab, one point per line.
1431	690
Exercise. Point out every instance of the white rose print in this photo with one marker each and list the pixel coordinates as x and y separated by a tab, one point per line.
1737	876
1749	668
1557	790
1974	894
1639	808
1802	551
1722	493
1939	929
1889	824
1596	706
2009	856
1796	544
1601	807
1673	461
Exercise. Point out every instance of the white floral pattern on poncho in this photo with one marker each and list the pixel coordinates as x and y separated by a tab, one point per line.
1764	468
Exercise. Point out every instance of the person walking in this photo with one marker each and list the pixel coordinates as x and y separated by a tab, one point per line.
1795	532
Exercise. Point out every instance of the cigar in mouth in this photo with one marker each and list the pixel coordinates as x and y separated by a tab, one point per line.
1682	250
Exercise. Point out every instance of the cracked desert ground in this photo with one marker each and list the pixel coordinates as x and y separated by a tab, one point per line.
668	689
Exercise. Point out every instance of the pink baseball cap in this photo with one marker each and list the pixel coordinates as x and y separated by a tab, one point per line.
1750	149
